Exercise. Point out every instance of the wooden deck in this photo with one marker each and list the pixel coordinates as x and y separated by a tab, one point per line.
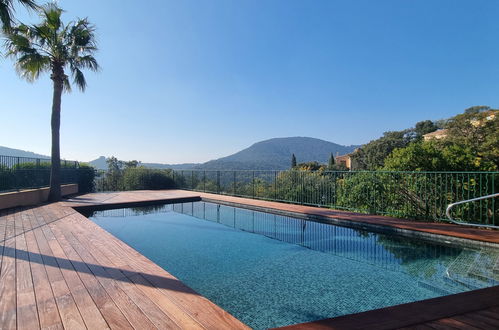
60	270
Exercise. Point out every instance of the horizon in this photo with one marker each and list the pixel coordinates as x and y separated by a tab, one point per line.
219	76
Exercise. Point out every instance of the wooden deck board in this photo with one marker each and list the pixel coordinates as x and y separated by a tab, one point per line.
60	270
47	309
26	303
8	303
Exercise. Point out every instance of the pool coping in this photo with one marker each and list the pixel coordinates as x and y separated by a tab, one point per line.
391	317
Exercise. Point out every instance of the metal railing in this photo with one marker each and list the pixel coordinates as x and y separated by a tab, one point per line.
413	195
26	173
450	206
13	162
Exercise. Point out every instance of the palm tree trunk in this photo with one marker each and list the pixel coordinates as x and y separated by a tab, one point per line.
55	169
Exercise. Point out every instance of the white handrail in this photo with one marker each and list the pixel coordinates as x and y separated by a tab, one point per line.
450	206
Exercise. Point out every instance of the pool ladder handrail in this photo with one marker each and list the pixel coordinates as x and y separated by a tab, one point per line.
451	205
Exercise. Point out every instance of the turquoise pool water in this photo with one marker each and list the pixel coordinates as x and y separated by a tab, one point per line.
269	270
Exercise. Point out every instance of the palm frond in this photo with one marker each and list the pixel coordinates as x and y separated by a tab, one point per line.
66	85
51	15
86	62
7	11
30	66
79	78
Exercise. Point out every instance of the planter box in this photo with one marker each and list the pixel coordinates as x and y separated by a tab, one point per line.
32	196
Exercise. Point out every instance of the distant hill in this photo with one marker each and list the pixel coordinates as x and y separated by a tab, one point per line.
100	164
4	151
275	154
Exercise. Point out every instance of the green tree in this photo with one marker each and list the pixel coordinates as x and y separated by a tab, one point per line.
424	127
131	164
53	46
310	166
477	109
331	162
372	156
478	132
293	161
429	156
7	11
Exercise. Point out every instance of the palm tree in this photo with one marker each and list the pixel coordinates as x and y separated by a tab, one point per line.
53	46
7	9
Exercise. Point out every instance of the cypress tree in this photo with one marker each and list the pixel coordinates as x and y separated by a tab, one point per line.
331	161
293	161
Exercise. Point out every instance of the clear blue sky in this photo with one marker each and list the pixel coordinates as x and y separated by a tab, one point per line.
189	81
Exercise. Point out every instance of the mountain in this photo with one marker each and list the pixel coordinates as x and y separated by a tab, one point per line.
4	151
100	164
275	154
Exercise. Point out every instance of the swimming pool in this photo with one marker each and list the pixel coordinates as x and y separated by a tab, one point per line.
270	270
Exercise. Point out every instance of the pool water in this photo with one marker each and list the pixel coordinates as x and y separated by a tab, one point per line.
270	270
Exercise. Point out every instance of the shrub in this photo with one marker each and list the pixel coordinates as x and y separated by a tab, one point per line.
143	178
86	178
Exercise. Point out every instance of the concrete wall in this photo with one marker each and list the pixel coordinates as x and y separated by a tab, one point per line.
32	196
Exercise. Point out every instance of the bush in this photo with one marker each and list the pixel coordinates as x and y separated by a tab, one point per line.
143	178
86	178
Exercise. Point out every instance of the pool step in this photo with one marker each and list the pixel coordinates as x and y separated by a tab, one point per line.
475	269
436	289
496	266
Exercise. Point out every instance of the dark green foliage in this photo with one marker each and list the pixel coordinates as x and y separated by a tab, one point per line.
331	161
129	176
477	109
471	144
144	179
293	161
131	164
427	156
424	127
477	132
372	156
7	10
310	166
86	178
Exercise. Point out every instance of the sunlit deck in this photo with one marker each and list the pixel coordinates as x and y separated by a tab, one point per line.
60	270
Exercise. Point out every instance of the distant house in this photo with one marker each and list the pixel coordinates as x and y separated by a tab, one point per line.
344	160
437	135
489	115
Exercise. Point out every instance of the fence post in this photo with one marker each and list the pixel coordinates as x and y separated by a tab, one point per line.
234	187
275	185
253	184
218	182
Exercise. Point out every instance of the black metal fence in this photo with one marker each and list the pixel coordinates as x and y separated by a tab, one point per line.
414	195
25	173
12	162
